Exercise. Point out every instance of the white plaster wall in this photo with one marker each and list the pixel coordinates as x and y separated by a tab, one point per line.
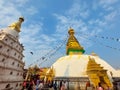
14	47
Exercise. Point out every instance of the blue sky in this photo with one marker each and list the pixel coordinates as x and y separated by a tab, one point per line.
96	23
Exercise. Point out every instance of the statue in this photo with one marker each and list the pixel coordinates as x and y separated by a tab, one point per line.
17	25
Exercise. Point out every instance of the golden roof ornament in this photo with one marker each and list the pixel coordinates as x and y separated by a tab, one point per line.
17	25
73	46
97	74
71	31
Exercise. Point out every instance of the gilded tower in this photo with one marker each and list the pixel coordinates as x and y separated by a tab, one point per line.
73	46
97	74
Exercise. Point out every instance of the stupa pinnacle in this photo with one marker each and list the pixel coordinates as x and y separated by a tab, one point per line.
14	28
17	25
73	46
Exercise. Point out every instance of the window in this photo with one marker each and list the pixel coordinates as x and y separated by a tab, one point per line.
6	39
8	50
17	85
0	46
11	42
13	63
3	60
18	56
7	86
20	84
18	65
15	54
21	74
11	73
21	58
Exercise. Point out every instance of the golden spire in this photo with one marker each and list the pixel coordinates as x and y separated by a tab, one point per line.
73	46
17	25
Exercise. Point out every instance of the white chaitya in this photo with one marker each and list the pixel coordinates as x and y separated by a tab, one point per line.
11	55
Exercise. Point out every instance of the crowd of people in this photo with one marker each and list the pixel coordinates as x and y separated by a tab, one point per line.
41	85
56	85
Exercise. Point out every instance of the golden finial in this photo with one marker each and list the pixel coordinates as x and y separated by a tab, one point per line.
22	18
71	31
17	25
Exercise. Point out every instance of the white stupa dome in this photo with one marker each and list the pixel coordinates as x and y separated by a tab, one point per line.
76	66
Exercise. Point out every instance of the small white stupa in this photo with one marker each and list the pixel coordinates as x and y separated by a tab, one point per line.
11	57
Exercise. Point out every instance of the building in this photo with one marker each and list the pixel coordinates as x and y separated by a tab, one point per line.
11	57
79	69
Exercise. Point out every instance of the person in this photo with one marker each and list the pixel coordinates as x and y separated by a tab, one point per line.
55	85
108	88
40	86
66	85
100	87
24	85
63	86
87	85
37	84
31	83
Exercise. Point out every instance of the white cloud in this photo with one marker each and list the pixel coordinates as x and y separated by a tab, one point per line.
98	22
32	29
111	16
47	38
31	10
79	10
62	19
108	2
78	25
74	17
95	5
7	15
16	3
35	41
30	35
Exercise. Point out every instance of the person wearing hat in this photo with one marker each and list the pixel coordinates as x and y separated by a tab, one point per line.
17	25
